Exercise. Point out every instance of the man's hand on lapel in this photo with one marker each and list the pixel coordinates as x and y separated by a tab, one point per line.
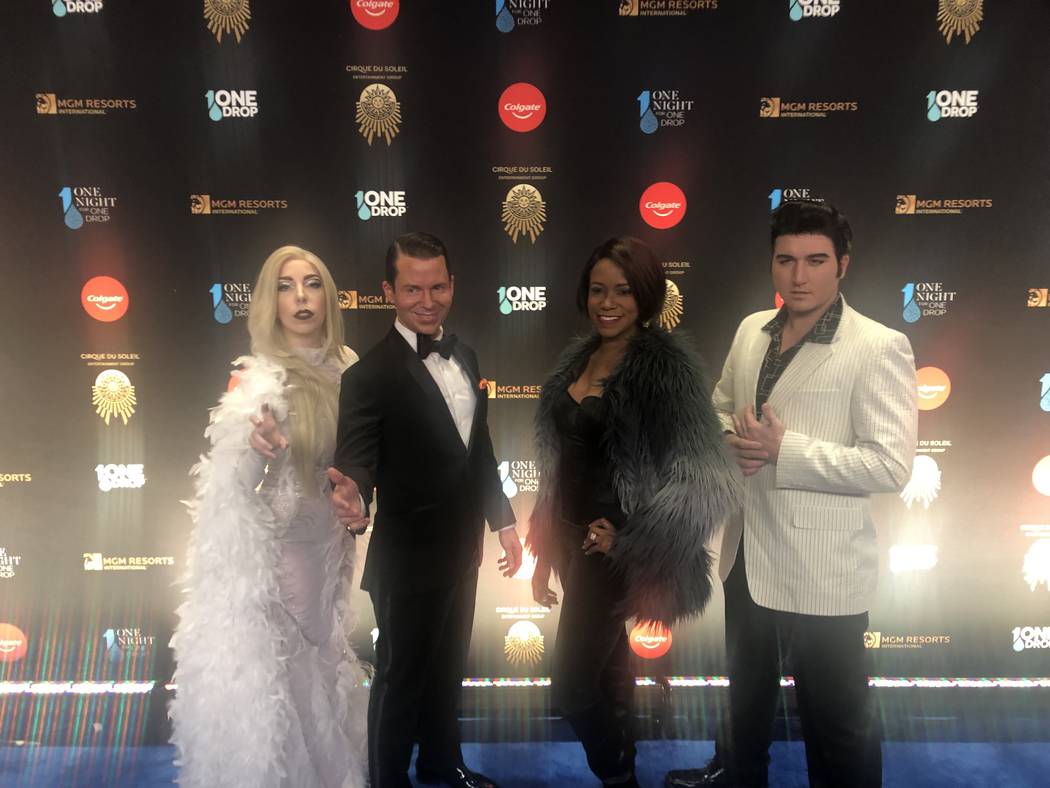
510	563
767	433
347	502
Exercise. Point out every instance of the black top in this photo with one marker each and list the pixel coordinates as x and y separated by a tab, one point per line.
585	479
775	362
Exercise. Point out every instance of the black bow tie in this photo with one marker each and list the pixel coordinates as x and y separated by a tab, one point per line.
426	344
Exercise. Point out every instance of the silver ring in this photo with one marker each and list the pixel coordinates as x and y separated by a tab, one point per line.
593	537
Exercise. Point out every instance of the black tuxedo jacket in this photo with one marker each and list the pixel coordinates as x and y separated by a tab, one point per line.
396	435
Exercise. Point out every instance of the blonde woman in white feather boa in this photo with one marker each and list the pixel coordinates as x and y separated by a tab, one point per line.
269	691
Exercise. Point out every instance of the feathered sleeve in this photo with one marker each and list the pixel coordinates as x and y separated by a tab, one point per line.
230	706
676	482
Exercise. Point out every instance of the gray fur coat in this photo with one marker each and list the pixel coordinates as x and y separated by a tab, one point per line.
674	480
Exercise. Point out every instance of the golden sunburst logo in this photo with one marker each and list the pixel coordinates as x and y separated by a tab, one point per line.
905	204
46	104
769	107
347	299
200	203
960	18
628	7
113	395
378	113
523	643
227	16
671	314
524	212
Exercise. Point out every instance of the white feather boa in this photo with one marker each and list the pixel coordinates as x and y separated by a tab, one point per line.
233	712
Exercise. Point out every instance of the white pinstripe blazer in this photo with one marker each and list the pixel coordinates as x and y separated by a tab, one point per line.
849	408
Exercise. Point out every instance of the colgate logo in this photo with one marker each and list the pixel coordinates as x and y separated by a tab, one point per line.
662	205
522	107
13	643
375	14
650	639
104	298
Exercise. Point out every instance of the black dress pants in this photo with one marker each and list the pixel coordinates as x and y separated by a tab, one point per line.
591	680
421	656
826	655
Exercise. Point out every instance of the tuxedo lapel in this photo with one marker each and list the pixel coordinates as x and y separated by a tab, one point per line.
435	402
752	358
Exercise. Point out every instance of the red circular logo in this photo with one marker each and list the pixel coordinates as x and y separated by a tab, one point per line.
104	298
778	300
375	14
662	205
650	639
522	107
13	643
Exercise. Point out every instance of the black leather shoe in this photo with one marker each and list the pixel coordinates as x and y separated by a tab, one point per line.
711	775
460	777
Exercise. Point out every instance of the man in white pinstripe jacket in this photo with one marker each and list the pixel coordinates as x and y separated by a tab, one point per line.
819	407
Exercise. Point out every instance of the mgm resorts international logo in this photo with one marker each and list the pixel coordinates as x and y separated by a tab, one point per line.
951	104
926	299
227	17
1038	297
1036	566
85	204
881	640
207	205
127	642
230	300
789	194
776	107
113	395
526	13
117	476
497	391
53	104
925	482
355	299
522	299
15	478
97	562
519	476
665	7
657	108
812	9
1031	637
374	203
8	564
524	212
62	7
673	308
378	113
232	104
959	18
523	643
912	204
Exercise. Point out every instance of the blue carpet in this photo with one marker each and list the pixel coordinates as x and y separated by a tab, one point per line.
531	765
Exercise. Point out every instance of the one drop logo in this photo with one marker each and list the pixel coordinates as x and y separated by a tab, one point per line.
798	9
375	203
220	309
517	299
911	310
522	107
70	213
375	14
504	18
1044	392
951	104
510	487
662	205
232	104
647	122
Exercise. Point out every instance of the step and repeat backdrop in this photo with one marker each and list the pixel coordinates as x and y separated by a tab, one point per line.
154	154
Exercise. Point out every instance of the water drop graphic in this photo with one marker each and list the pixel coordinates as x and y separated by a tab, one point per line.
1044	403
223	314
933	112
59	7
510	487
649	122
794	10
214	110
912	312
70	213
364	213
504	18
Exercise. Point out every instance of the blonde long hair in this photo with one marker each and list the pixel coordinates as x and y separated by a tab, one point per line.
313	399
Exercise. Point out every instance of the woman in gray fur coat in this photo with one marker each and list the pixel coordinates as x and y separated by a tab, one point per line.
633	483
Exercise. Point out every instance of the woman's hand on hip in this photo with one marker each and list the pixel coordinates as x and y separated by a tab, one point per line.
600	537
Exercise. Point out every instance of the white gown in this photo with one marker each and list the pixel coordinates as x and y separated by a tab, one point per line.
269	692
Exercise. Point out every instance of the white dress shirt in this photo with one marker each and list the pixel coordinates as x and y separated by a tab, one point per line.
452	381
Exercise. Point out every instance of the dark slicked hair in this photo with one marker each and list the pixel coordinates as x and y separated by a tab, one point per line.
641	267
422	246
803	217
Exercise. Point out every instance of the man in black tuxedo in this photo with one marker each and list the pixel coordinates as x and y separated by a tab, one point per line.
412	425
